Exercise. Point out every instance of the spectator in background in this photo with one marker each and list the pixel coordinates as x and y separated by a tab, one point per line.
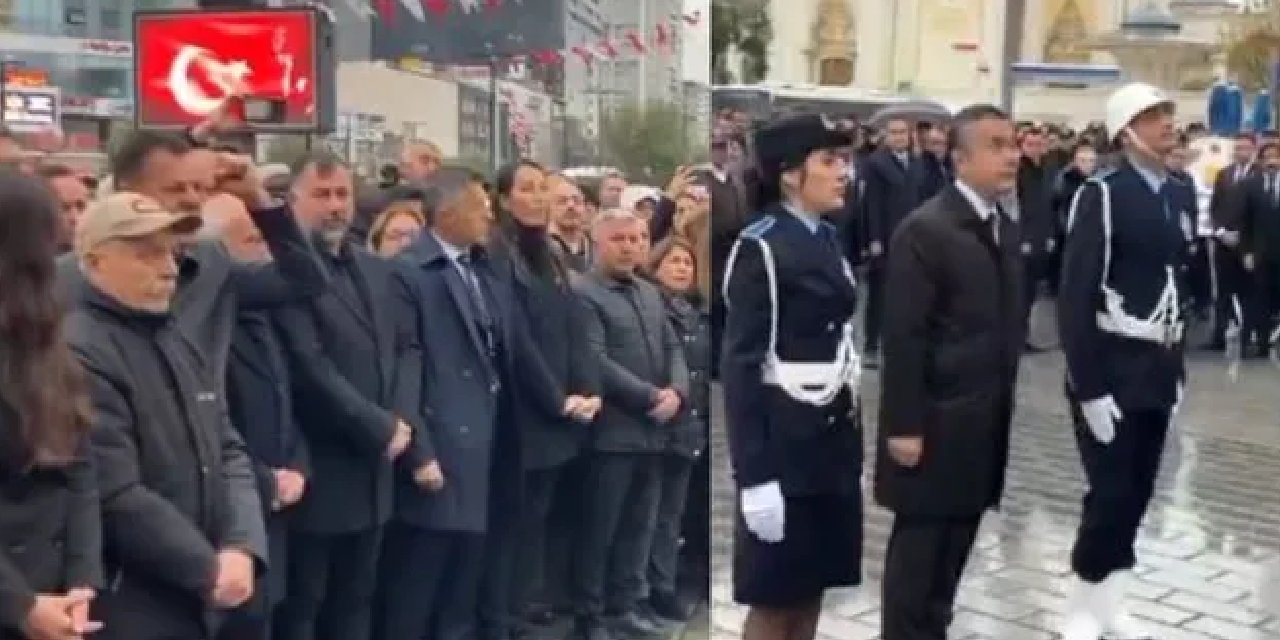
570	221
609	191
396	228
418	162
935	164
673	265
72	197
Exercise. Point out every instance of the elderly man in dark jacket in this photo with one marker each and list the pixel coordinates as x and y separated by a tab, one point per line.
645	384
182	525
953	335
258	396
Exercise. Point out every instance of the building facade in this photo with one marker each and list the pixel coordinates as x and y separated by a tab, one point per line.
642	78
952	50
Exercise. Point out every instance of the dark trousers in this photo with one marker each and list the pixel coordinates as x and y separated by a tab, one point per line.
1037	269
664	556
1121	478
428	584
1266	297
251	622
1199	275
621	499
697	520
498	591
532	559
922	568
1233	285
875	303
331	584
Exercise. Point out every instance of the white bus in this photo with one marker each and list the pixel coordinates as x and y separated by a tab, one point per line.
763	102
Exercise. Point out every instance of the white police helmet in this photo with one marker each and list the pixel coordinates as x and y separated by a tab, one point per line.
1130	100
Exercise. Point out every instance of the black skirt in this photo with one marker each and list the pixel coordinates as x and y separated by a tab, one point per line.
821	548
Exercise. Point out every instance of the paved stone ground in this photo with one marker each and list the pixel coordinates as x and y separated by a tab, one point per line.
1209	549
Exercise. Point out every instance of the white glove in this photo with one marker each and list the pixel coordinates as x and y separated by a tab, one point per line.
1101	415
764	511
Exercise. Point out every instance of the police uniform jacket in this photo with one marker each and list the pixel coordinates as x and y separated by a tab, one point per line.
1146	239
809	450
953	335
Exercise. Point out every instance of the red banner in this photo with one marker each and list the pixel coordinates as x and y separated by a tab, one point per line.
188	63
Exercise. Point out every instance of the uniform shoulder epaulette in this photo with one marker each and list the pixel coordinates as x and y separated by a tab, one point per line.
757	229
1103	174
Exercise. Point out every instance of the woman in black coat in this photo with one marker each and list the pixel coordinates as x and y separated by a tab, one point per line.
673	265
51	561
544	445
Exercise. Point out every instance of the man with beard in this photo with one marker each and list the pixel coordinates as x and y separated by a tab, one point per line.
355	385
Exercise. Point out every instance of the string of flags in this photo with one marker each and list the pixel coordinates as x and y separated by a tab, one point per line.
662	39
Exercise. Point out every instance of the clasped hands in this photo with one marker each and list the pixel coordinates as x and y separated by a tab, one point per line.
233	580
61	617
665	403
581	408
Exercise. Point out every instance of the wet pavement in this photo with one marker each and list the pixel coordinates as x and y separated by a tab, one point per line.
1209	548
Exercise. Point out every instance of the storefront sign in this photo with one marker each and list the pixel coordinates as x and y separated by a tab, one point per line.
29	109
189	62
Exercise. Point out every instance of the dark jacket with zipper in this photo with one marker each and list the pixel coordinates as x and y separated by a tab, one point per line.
638	354
175	482
693	329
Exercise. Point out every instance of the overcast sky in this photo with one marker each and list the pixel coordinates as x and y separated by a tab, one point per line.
697	44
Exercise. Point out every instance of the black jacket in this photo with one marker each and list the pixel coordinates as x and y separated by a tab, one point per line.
1036	218
355	367
1226	204
557	322
890	192
261	407
1260	224
175	482
50	530
693	329
953	335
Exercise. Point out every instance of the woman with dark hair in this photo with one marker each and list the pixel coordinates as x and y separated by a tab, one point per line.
528	468
673	265
51	562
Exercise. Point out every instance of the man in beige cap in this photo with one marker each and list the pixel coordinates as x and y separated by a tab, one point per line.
181	519
127	245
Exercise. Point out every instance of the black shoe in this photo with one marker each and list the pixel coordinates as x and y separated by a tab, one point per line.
669	606
632	623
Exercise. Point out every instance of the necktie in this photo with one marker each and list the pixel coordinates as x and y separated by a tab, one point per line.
995	224
1273	189
478	303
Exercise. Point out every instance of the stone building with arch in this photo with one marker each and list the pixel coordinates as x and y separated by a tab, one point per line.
951	50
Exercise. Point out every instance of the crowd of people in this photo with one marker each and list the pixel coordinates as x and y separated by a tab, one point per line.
1229	280
241	403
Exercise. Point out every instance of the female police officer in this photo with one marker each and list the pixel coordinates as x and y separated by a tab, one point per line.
790	374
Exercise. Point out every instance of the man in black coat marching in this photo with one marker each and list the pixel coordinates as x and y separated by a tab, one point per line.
953	334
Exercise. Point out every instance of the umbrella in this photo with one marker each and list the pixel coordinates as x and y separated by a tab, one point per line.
1262	111
913	110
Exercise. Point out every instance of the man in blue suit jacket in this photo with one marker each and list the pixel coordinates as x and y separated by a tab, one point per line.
475	348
